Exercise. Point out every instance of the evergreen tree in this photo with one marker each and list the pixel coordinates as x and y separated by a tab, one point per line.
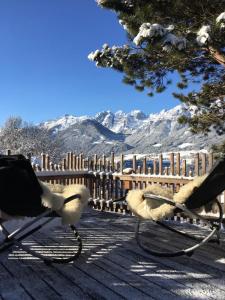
166	36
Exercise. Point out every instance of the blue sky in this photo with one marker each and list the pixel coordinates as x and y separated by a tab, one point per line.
44	70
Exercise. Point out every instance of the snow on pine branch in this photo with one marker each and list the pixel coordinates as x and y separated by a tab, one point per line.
150	31
170	40
125	27
221	17
128	3
203	36
221	20
110	57
93	55
147	31
219	106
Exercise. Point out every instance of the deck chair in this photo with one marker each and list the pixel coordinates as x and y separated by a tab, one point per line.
157	204
23	195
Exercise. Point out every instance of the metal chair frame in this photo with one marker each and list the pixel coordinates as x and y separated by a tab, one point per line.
215	226
16	237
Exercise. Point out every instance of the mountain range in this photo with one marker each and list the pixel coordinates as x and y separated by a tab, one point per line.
133	132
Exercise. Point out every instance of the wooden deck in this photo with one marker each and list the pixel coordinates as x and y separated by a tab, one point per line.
112	266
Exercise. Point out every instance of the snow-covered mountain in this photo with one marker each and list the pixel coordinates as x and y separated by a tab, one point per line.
135	120
63	123
90	137
120	121
133	132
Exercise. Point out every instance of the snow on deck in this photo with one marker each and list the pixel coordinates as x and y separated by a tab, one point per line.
112	266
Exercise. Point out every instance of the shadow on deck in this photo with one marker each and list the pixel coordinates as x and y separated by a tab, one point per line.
112	266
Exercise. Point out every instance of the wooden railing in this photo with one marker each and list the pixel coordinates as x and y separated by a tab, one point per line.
107	178
148	165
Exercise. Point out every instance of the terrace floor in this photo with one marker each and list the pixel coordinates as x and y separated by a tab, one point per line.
112	266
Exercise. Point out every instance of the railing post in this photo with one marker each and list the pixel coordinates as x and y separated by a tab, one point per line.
43	161
134	163
203	157
172	164
77	163
51	166
68	161
160	164
64	164
103	183
144	165
210	160
197	164
81	161
100	165
71	160
47	162
112	161
184	167
74	161
104	162
8	152
154	166
178	164
95	162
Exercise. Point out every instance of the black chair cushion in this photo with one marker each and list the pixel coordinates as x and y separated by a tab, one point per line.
20	191
212	186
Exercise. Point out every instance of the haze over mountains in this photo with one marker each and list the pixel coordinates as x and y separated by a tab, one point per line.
132	132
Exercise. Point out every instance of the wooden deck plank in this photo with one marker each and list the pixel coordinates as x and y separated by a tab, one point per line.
31	281
94	288
183	278
164	278
121	266
113	267
200	283
110	280
182	266
124	262
10	288
65	287
77	273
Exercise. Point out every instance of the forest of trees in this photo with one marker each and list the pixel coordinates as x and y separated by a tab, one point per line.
24	138
173	36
